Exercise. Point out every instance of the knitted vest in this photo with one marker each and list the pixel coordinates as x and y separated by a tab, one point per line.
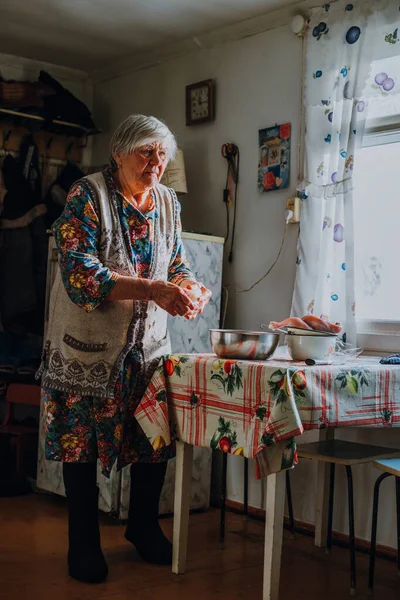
84	352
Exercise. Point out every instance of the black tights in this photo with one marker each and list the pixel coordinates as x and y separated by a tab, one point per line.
145	475
80	475
143	528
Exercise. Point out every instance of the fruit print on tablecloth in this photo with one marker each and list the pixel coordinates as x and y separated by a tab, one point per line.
284	385
225	438
173	365
387	417
251	422
353	380
228	374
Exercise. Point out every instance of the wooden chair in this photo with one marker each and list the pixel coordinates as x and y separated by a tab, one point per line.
390	468
25	394
339	452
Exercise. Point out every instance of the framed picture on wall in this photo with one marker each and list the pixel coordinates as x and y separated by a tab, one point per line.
274	163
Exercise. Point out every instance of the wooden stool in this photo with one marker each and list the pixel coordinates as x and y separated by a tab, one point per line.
25	394
347	454
390	468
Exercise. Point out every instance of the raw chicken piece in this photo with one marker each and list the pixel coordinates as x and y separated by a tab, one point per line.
318	324
290	322
307	322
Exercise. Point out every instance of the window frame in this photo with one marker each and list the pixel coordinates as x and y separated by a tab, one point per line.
379	335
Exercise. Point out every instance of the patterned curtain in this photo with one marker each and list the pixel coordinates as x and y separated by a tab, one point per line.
351	71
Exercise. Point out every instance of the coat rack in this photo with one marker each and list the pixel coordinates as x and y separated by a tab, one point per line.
54	124
56	139
50	145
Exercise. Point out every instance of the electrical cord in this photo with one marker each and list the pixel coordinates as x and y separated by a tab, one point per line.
230	258
226	200
231	154
225	309
271	267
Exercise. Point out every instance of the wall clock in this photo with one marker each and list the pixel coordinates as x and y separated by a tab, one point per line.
200	102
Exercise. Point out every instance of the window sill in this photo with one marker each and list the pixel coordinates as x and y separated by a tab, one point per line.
378	336
379	342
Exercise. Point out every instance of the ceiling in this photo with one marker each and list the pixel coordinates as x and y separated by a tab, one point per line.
91	34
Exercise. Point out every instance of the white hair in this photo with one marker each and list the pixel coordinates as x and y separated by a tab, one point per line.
137	131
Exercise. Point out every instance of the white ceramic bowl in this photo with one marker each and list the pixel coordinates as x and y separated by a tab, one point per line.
297	331
317	347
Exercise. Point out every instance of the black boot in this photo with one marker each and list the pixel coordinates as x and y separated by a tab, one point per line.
86	561
143	530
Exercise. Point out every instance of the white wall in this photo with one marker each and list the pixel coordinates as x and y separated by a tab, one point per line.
258	85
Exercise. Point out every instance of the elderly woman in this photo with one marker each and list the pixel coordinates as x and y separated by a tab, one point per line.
122	269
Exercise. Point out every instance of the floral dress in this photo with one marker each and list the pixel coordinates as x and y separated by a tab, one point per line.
84	428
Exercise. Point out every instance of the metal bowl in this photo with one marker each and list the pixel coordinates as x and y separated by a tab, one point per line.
248	345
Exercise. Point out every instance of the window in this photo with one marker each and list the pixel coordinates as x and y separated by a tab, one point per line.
377	230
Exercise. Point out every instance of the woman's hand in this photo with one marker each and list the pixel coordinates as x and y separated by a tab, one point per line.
201	300
171	298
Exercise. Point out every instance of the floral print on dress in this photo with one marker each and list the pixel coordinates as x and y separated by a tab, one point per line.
77	236
82	429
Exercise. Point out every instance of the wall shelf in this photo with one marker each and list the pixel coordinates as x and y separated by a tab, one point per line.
52	125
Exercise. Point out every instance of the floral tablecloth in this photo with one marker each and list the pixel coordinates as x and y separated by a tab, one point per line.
255	409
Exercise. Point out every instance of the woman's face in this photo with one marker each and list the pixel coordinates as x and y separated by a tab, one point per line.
143	168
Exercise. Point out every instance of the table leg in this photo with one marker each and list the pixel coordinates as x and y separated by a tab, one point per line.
323	479
183	480
246	487
273	535
223	497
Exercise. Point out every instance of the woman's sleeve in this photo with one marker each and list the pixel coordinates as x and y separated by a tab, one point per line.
179	268
77	235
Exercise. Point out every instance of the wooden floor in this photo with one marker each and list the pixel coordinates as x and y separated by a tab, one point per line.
33	537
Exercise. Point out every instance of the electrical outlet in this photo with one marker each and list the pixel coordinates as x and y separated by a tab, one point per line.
293	204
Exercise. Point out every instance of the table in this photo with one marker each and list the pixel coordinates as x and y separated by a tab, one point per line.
256	409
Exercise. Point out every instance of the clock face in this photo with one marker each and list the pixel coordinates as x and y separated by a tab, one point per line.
199	103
